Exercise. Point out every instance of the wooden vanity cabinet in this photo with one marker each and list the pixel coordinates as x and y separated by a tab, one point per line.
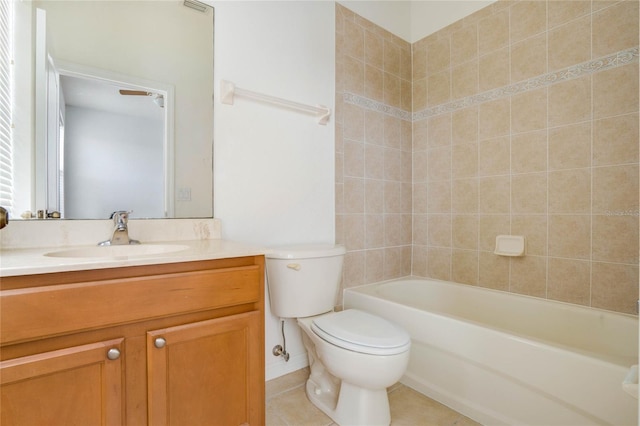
171	344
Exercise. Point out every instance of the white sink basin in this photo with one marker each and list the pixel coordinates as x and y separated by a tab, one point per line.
106	252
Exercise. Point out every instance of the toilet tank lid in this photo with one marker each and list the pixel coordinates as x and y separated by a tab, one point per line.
308	251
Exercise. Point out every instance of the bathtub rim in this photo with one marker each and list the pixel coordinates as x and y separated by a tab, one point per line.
620	360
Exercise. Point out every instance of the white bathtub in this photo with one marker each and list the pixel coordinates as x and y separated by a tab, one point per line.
502	358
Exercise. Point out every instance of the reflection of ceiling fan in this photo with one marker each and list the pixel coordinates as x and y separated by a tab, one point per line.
135	93
157	98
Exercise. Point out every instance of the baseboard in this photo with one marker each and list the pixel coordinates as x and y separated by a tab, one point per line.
280	368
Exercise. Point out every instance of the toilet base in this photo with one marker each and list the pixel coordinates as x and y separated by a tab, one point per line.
351	405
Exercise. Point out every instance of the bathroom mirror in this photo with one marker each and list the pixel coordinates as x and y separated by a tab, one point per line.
159	53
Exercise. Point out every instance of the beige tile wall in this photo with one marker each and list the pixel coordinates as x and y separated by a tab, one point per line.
558	164
373	151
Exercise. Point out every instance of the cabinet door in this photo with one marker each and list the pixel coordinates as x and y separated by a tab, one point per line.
80	385
207	373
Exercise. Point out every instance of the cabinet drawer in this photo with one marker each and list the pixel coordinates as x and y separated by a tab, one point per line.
53	310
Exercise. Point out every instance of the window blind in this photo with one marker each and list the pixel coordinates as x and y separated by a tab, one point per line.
6	149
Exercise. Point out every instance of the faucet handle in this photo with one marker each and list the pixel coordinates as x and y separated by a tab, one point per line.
121	216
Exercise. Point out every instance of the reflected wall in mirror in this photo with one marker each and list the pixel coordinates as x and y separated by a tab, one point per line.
113	140
163	48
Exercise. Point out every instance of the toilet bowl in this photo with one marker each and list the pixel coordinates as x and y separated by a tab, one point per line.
351	369
353	355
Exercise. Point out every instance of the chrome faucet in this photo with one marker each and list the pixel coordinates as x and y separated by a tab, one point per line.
120	232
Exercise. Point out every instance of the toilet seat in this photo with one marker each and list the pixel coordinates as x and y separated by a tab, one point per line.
359	331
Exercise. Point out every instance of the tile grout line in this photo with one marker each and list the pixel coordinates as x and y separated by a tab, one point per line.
546	245
591	128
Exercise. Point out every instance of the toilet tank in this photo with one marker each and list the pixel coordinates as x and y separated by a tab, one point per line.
303	280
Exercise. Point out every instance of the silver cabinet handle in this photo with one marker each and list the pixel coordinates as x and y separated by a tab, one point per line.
113	354
159	343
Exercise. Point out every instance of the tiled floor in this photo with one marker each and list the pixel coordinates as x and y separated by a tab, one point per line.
287	405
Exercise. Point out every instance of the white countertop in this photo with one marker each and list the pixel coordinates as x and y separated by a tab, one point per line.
29	261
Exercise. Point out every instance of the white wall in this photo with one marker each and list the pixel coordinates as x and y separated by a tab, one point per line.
274	168
392	15
414	20
429	16
112	162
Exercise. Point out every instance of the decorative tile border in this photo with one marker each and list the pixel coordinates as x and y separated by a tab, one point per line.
372	105
618	59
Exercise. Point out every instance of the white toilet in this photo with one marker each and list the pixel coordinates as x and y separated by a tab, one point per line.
354	356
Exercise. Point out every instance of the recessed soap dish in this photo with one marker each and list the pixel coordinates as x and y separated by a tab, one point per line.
509	245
